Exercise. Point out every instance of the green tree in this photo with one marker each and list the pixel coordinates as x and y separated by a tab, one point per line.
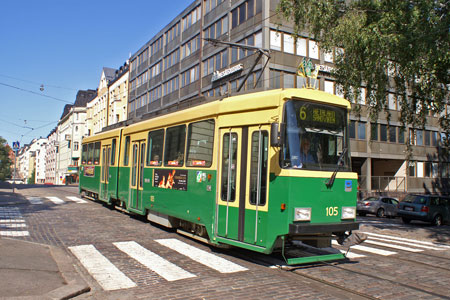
32	178
384	45
5	162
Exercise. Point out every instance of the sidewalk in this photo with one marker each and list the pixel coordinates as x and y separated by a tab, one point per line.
35	271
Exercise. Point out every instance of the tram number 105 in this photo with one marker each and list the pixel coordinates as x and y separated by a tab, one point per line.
332	211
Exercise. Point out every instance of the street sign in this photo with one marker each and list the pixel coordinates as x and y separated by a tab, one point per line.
16	146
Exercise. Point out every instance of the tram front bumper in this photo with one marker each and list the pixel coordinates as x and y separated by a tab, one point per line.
307	228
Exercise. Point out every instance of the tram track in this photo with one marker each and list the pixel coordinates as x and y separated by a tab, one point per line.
349	292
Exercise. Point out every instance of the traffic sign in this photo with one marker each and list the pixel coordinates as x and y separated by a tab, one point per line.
16	146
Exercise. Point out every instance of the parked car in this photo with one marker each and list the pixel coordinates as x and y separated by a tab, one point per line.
15	181
379	206
429	208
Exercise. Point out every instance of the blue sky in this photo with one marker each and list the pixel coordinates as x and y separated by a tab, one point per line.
64	45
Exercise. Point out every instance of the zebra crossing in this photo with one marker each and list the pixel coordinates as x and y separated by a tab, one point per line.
55	200
111	278
12	223
389	244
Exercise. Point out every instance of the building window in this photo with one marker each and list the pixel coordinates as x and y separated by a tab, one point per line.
275	40
189	76
374	131
172	59
329	86
191	18
190	47
301	46
275	79
171	86
392	134
313	50
419	137
288	43
383	133
427	138
217	29
401	135
352	129
75	146
172	33
288	80
361	130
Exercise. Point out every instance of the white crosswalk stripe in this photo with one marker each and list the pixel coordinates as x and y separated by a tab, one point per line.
106	274
154	262
11	218
56	200
210	260
76	199
34	200
394	238
393	246
405	243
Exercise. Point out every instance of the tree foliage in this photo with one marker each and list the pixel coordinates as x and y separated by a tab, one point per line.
386	45
5	161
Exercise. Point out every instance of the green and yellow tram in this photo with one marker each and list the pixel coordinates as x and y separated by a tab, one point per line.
261	171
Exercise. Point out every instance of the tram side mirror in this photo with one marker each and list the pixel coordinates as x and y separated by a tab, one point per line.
277	134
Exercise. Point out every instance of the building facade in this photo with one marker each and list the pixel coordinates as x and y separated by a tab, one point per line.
178	64
51	157
71	130
118	96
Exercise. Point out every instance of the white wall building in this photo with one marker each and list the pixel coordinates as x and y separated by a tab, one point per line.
51	157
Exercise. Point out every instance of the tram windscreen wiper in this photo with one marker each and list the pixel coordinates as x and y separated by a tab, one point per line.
331	180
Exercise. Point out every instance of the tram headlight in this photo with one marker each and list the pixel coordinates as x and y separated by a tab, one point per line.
348	212
302	214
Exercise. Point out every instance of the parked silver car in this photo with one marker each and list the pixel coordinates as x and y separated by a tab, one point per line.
379	206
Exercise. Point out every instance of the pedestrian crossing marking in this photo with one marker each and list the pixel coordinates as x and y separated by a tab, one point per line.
373	250
106	274
408	240
208	259
405	243
11	218
56	200
154	262
76	199
393	246
34	200
21	225
14	233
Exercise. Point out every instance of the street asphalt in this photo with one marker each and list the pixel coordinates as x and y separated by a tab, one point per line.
34	271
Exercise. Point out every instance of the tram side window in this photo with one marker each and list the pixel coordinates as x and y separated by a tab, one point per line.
229	161
258	167
90	153
96	153
113	152
200	144
174	147
84	154
126	155
155	147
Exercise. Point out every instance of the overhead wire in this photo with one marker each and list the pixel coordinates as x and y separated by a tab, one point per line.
35	93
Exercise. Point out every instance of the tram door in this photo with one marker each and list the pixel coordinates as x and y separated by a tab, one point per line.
104	180
137	174
256	203
241	210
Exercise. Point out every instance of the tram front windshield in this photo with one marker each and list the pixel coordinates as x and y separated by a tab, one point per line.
315	137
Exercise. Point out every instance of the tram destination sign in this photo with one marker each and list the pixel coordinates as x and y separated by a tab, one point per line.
319	115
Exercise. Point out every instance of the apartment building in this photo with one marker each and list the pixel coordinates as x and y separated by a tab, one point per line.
178	65
71	130
51	157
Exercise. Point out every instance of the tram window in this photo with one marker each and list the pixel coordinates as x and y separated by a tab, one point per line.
96	153
113	152
200	144
134	165
258	167
229	161
90	153
174	146
104	164
155	147
84	154
126	155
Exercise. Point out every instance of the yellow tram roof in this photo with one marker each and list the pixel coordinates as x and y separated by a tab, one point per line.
102	136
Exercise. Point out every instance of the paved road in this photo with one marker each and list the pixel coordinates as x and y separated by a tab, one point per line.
126	257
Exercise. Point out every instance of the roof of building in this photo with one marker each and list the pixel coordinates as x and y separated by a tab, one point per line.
83	97
109	73
66	110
